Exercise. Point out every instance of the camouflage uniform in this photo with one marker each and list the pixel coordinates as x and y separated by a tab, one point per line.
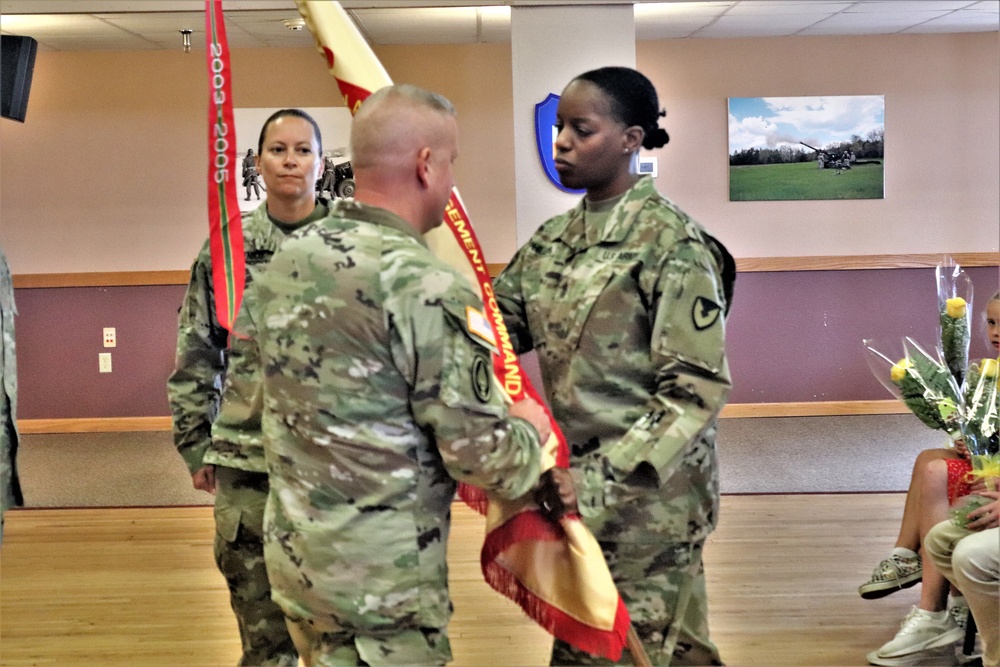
377	396
626	313
223	429
10	486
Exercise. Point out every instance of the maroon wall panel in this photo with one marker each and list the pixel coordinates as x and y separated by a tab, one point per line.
60	333
796	336
792	336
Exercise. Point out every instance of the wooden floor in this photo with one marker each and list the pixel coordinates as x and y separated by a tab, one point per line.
138	587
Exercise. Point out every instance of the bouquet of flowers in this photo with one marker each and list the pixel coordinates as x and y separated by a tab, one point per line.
981	400
923	383
981	433
954	292
943	390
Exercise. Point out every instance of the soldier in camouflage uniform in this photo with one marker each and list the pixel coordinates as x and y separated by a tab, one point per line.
250	174
624	300
219	434
10	486
378	396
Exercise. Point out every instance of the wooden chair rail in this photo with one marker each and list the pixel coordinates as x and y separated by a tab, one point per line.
744	265
732	411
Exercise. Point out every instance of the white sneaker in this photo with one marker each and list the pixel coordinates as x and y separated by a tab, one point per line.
921	636
932	657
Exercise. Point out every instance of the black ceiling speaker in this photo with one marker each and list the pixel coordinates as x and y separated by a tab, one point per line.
18	62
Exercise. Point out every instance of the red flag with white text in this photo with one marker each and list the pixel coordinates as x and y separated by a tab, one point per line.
225	228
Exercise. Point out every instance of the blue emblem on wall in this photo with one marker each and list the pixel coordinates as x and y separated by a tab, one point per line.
545	138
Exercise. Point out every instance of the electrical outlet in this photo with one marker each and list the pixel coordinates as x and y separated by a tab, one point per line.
110	339
104	362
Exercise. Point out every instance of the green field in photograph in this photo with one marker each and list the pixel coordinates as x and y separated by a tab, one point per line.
803	180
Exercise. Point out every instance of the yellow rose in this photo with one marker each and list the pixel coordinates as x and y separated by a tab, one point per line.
988	368
955	307
898	371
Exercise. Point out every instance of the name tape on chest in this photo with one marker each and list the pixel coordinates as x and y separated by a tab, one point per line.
256	257
624	256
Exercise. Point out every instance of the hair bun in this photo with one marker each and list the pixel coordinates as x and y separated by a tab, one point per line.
656	138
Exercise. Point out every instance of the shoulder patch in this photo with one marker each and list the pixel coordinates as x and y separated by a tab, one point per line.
704	313
478	325
482	381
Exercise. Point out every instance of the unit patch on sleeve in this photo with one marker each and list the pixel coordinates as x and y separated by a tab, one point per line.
704	313
482	381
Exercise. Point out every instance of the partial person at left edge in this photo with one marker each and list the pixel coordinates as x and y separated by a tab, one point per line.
215	389
10	486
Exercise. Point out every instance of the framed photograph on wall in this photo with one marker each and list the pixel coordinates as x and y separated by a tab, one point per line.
790	148
335	128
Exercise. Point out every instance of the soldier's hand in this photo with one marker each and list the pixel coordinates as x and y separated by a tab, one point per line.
986	516
532	412
203	479
556	494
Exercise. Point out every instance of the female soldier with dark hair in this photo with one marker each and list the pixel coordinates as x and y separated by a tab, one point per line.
215	389
624	299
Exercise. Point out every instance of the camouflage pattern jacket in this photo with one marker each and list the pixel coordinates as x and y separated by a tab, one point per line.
628	322
10	485
214	390
378	396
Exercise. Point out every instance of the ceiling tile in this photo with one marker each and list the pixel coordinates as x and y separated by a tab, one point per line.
132	6
669	29
960	21
675	20
907	6
101	43
764	9
751	26
866	23
49	25
423	4
118	24
263	17
437	25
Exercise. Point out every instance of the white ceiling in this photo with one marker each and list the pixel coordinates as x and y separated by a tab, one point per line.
77	25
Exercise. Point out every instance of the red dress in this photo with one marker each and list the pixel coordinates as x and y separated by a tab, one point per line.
957	484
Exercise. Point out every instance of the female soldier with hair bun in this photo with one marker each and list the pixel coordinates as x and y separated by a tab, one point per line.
215	389
624	298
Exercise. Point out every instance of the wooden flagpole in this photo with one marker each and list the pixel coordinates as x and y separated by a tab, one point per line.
635	647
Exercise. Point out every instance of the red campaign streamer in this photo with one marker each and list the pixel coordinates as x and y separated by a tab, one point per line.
526	526
506	366
225	228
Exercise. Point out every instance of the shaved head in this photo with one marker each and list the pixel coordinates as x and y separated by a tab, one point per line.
404	143
395	122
